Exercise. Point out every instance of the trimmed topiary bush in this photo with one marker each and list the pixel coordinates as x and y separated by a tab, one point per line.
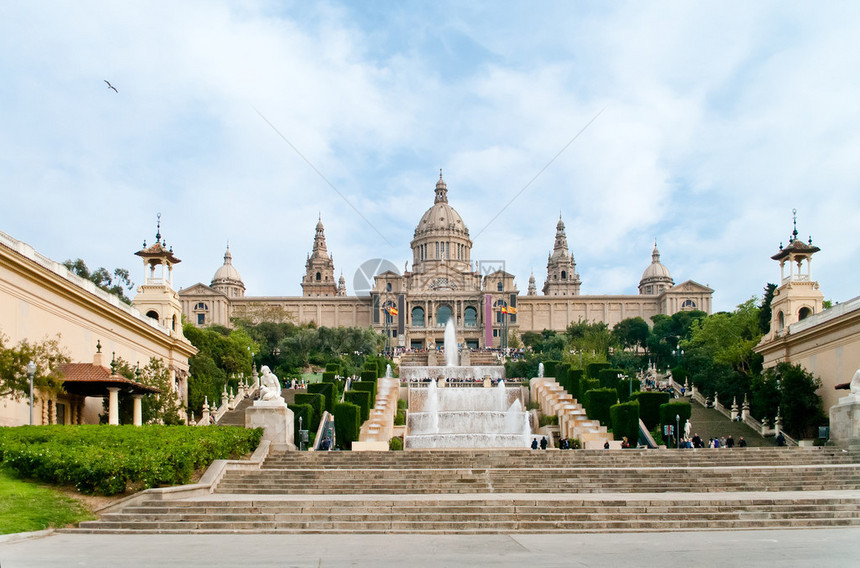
592	370
328	390
550	368
347	424
395	444
333	368
574	379
361	399
609	377
625	422
597	404
586	385
649	406
317	401
670	410
623	388
368	376
366	386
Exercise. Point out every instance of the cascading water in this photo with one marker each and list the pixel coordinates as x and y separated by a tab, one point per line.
540	369
388	371
464	417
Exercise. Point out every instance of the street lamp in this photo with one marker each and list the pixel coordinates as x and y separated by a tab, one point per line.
678	431
621	376
31	370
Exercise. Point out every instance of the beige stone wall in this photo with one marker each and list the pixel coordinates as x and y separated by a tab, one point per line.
336	311
536	313
826	344
40	299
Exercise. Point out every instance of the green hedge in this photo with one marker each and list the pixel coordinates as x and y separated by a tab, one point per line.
333	368
649	406
109	459
367	386
592	370
361	399
670	410
317	401
395	444
609	377
585	385
328	390
597	404
562	376
550	368
346	423
574	379
625	422
306	413
373	367
368	376
623	388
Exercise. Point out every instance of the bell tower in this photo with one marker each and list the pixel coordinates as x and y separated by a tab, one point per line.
561	276
156	297
798	296
319	268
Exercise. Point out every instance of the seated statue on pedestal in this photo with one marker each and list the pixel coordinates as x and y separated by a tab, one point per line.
855	384
270	388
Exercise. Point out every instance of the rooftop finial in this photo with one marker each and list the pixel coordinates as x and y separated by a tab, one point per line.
440	174
794	233
158	229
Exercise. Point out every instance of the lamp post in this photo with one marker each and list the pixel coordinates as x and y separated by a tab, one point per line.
678	431
622	376
31	370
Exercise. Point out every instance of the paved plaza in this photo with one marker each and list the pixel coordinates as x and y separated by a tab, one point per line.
783	548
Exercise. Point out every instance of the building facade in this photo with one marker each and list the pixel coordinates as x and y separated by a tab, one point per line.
444	283
40	299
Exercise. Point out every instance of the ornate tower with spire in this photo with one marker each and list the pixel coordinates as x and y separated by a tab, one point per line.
341	285
319	268
532	291
156	297
561	276
798	295
656	278
227	278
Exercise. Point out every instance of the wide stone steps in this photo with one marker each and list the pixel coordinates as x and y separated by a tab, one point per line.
477	516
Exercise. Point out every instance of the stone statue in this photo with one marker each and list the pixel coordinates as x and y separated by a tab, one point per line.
270	388
855	384
688	429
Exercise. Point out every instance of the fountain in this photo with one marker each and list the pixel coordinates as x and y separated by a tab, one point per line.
472	417
540	369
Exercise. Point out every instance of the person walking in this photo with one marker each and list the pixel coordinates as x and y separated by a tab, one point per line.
543	443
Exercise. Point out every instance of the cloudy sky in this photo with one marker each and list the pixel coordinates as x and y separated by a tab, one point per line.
244	121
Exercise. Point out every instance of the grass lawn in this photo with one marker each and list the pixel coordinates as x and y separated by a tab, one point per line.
27	506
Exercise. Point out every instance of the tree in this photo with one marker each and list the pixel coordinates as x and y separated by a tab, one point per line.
800	404
222	353
162	408
117	282
631	332
46	354
764	314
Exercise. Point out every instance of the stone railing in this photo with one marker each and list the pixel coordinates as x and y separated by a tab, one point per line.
212	414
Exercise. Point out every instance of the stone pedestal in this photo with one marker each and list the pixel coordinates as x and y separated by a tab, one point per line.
274	418
845	421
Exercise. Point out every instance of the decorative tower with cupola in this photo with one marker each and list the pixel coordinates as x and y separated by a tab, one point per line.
156	297
319	274
561	276
532	291
798	296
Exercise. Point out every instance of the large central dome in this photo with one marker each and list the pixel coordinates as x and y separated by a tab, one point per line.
441	234
441	216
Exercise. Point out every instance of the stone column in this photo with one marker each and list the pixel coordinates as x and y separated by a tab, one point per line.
113	406
138	410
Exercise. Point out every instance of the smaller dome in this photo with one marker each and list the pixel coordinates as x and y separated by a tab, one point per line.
227	274
656	276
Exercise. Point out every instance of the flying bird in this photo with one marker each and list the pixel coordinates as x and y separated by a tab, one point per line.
111	86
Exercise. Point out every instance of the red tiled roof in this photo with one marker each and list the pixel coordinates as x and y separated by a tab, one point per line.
93	380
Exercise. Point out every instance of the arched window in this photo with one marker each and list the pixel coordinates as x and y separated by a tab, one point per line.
417	316
388	286
688	305
443	314
564	275
319	276
780	321
152	314
470	317
804	313
500	287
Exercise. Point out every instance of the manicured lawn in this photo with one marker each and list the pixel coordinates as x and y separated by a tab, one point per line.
26	506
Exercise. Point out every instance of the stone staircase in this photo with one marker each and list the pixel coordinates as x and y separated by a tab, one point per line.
498	491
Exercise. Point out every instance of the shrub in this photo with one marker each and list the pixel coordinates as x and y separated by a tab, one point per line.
548	420
401	404
367	386
670	410
306	413
609	378
372	367
597	404
624	388
360	399
625	421
649	406
592	370
317	401
586	385
574	379
108	459
550	368
346	423
400	417
333	368
328	390
395	444
368	376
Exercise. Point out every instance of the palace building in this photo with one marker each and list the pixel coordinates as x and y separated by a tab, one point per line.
444	283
